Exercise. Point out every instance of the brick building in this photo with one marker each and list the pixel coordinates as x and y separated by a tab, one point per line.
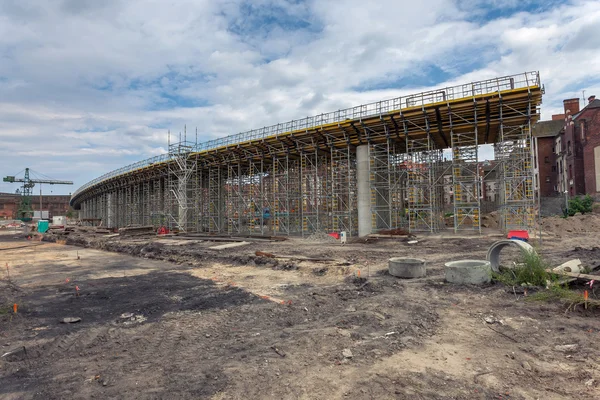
55	204
568	150
544	135
588	123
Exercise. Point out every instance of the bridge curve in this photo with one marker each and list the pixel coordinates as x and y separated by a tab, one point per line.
303	176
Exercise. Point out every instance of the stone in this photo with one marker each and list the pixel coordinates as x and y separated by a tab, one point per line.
70	320
526	366
566	348
347	353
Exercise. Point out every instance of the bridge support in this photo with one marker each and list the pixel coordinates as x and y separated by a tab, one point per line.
364	190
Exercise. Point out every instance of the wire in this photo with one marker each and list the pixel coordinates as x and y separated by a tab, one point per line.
39	175
18	172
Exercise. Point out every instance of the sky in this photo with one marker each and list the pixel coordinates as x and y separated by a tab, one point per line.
89	86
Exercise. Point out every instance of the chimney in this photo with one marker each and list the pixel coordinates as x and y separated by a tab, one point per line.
556	117
591	98
571	106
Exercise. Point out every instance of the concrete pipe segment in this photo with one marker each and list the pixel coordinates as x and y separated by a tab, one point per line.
493	255
407	267
468	272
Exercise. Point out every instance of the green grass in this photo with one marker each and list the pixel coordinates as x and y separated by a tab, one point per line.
529	271
558	292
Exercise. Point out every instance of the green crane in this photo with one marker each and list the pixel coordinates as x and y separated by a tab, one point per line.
25	211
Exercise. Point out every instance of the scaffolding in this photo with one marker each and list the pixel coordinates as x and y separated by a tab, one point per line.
300	177
514	153
181	188
423	181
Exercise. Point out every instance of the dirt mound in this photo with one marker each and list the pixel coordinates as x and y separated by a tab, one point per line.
321	237
577	224
491	220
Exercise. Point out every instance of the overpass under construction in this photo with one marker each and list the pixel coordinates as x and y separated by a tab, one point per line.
376	166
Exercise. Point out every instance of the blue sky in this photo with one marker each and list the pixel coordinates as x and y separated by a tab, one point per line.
89	86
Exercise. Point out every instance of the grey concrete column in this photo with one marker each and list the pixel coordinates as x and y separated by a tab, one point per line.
364	190
110	214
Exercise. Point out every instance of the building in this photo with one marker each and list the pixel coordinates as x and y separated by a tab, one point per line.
55	204
567	151
587	121
544	136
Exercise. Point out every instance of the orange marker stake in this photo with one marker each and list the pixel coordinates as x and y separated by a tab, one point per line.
15	306
77	290
358	273
585	297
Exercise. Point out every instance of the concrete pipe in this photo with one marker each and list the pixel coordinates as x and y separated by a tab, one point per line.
407	267
493	255
468	272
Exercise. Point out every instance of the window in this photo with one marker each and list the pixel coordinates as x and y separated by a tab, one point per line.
547	179
554	168
546	160
570	171
569	147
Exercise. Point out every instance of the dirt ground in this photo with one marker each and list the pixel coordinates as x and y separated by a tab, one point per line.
172	318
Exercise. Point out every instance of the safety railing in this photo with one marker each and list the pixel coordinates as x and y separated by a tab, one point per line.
489	86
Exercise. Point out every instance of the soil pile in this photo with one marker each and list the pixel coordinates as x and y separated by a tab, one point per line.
491	220
577	224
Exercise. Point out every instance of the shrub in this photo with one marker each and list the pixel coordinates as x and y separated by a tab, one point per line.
581	204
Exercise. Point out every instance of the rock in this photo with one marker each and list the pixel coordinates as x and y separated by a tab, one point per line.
126	315
379	316
589	382
344	332
566	348
347	353
526	366
70	320
351	309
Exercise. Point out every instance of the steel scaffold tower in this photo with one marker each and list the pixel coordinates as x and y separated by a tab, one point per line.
423	186
343	190
282	195
466	188
515	155
234	201
388	180
181	188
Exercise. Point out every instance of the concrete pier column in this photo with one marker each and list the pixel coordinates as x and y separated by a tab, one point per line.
364	190
110	214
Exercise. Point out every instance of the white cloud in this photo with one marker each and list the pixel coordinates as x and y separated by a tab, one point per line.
88	86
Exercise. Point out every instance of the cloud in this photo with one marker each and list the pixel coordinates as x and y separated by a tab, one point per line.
88	86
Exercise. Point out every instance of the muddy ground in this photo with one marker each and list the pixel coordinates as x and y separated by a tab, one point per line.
172	318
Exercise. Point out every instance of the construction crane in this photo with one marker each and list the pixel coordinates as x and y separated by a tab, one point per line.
25	211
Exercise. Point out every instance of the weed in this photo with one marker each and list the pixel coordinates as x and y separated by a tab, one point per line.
530	271
566	296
